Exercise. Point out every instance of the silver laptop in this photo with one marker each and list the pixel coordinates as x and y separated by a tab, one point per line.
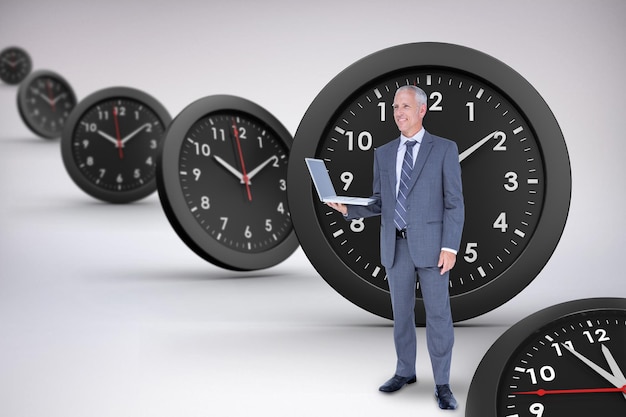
324	185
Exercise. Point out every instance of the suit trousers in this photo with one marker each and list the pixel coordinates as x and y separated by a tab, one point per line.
402	278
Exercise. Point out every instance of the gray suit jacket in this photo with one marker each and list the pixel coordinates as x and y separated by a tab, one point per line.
435	201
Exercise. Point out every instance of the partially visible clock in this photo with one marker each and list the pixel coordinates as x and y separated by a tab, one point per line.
45	100
15	65
515	168
222	180
111	141
565	360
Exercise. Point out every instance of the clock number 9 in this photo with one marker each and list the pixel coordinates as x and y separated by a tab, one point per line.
536	409
347	178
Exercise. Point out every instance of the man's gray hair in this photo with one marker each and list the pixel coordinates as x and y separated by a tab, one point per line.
420	95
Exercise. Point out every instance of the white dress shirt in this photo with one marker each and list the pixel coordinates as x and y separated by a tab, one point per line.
400	160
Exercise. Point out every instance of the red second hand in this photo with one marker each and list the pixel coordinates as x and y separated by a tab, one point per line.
542	392
243	165
117	133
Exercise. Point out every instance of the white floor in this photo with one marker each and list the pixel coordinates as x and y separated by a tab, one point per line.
105	312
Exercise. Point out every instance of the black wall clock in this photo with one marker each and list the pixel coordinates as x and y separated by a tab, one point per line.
15	65
565	360
45	100
111	141
222	180
515	167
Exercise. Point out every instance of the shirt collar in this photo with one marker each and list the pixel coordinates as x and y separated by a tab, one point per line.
418	137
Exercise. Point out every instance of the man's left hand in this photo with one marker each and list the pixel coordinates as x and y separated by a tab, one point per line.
447	260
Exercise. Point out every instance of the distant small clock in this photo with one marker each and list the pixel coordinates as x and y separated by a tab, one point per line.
111	141
15	65
565	360
45	100
222	181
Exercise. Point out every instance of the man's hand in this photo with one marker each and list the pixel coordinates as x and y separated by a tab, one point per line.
341	208
447	260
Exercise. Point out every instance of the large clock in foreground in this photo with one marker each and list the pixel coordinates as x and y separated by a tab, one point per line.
515	169
222	181
565	360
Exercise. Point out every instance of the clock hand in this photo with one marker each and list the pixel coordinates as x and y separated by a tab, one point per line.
50	101
260	167
117	133
229	168
613	364
134	133
616	381
50	95
246	180
47	99
475	146
107	137
542	392
59	97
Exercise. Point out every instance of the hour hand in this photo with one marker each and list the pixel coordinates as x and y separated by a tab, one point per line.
229	168
108	137
47	99
617	381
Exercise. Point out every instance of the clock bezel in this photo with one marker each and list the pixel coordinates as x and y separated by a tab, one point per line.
22	99
482	397
73	122
175	205
383	65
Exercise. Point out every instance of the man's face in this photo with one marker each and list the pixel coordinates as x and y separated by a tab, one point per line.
407	113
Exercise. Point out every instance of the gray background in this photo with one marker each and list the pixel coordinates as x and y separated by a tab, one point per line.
105	312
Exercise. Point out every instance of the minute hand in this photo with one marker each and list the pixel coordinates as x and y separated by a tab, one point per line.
475	146
616	381
617	372
134	132
260	167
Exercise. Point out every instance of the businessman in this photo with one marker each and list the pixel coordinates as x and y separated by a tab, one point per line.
418	192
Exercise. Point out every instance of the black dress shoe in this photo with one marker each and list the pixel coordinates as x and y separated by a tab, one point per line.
445	398
397	382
